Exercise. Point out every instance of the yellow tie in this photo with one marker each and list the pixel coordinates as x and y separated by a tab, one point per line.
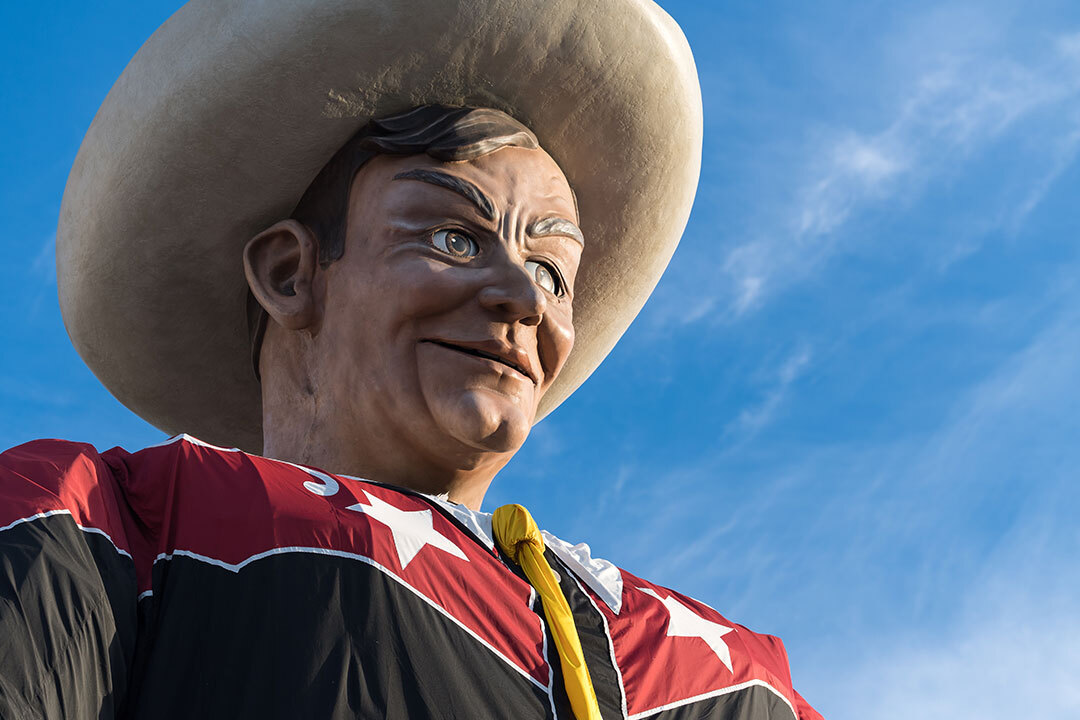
519	537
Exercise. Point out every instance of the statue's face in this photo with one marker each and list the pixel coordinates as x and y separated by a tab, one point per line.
450	312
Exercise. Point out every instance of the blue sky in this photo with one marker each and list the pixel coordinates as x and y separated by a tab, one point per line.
848	415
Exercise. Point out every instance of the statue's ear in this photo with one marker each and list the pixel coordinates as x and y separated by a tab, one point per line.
280	264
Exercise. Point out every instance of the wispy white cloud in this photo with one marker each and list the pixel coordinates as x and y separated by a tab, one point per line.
967	94
42	270
23	391
752	419
699	309
1013	651
43	265
545	441
857	168
1064	157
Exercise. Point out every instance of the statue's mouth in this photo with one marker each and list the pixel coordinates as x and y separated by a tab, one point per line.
513	358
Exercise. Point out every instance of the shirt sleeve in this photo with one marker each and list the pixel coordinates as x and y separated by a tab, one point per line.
805	711
771	654
68	596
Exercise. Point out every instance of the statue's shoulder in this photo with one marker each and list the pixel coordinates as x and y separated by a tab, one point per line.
101	492
48	452
62	471
705	656
60	467
58	481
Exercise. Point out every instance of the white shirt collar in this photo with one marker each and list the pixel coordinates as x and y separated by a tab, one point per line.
602	576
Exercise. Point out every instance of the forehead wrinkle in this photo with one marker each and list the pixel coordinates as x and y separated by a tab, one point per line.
556	226
461	186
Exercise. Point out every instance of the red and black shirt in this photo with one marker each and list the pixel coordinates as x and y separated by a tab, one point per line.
186	580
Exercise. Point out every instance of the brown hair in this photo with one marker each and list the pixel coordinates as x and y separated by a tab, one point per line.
443	132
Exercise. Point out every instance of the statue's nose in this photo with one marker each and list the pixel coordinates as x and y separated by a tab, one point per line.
513	294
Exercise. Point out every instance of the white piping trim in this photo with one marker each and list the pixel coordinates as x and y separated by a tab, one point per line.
601	575
170	441
478	521
551	670
194	441
364	559
145	594
329	482
35	517
610	642
717	693
84	528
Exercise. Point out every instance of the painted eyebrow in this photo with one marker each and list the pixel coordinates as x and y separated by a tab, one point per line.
463	188
556	226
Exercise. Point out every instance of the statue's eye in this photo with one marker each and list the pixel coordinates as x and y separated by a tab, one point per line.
455	243
545	276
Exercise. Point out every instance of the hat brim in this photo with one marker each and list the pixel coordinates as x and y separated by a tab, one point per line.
230	109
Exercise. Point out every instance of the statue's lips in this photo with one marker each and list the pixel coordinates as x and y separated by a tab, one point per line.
514	358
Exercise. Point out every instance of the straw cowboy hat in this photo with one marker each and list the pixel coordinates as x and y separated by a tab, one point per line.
231	108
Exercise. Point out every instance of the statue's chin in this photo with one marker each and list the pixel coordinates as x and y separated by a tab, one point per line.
483	419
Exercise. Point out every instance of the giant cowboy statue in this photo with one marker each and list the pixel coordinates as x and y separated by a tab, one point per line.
351	251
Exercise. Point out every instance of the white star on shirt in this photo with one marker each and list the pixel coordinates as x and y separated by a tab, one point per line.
411	529
685	622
